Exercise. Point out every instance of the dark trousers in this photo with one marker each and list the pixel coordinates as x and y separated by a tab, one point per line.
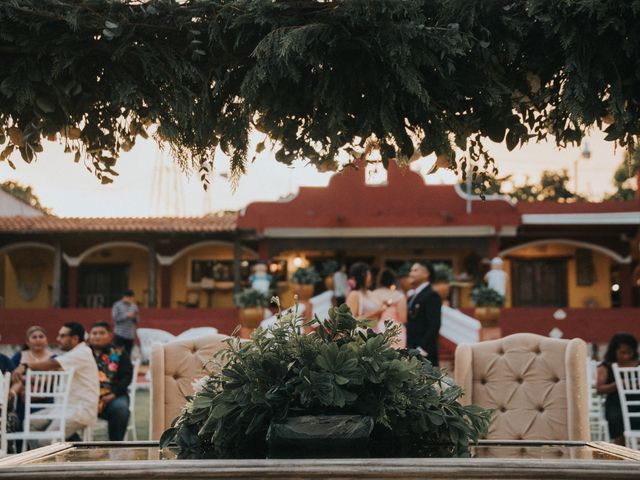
127	343
117	414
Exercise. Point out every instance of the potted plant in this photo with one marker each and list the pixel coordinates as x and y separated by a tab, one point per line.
488	303
328	268
252	303
307	391
403	276
442	276
303	280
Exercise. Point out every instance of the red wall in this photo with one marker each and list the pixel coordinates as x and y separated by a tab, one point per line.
14	322
594	325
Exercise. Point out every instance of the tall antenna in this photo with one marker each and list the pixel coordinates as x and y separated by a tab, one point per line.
167	196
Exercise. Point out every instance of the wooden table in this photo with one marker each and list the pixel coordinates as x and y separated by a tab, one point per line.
492	459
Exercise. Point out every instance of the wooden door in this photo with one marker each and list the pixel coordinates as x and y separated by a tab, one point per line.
540	282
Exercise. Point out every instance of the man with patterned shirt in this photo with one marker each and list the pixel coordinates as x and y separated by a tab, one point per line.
115	374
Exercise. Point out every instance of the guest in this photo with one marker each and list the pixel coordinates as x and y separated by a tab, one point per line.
35	349
623	350
115	374
340	285
396	305
83	398
13	421
424	313
361	300
125	317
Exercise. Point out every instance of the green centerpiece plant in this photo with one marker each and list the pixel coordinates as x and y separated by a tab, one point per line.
488	303
304	279
252	303
283	377
442	276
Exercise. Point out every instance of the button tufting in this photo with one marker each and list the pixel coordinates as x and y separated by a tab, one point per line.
483	381
519	380
502	409
541	409
556	379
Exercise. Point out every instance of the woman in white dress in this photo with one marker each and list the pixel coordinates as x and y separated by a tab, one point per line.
361	301
388	294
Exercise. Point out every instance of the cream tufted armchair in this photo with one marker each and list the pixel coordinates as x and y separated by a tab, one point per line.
537	385
174	367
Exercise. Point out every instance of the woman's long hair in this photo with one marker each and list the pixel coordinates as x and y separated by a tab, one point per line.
358	272
616	342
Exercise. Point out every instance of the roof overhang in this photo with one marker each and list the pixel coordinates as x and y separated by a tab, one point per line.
406	232
613	218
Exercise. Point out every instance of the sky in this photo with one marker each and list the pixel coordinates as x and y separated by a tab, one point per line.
150	184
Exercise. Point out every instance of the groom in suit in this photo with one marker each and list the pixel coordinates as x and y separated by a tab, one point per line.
423	321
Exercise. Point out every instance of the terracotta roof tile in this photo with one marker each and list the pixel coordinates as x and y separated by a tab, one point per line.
214	223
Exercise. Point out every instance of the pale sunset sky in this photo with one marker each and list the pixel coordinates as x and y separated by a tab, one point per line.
70	190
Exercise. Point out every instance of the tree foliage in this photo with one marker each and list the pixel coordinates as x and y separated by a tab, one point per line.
338	370
625	177
26	194
409	77
552	187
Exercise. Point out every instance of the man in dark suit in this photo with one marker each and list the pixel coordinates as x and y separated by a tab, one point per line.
424	313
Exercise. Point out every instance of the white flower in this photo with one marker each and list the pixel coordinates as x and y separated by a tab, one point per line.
199	384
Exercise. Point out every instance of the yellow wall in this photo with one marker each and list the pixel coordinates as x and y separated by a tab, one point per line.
181	289
138	261
597	295
33	263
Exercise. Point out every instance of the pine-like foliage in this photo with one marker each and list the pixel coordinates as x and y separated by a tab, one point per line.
410	77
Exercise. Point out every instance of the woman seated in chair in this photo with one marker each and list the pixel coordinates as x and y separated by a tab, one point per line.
623	350
35	349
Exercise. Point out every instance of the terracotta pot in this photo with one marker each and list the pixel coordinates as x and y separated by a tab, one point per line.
443	289
488	316
405	284
304	292
251	317
328	282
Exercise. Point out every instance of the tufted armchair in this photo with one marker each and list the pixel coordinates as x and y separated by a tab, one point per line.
174	366
537	385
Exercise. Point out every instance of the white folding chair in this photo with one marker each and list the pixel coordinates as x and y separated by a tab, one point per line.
628	385
597	421
53	385
132	402
5	384
149	336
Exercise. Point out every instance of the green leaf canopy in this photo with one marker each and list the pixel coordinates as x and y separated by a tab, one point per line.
409	77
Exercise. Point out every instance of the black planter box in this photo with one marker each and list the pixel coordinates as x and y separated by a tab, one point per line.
321	436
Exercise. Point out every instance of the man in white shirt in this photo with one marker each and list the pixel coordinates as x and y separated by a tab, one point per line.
82	407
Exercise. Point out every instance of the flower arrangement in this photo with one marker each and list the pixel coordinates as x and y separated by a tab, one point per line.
340	369
252	298
306	276
484	296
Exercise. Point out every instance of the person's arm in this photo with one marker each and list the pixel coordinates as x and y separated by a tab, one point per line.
401	308
21	370
353	302
602	387
433	314
125	375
